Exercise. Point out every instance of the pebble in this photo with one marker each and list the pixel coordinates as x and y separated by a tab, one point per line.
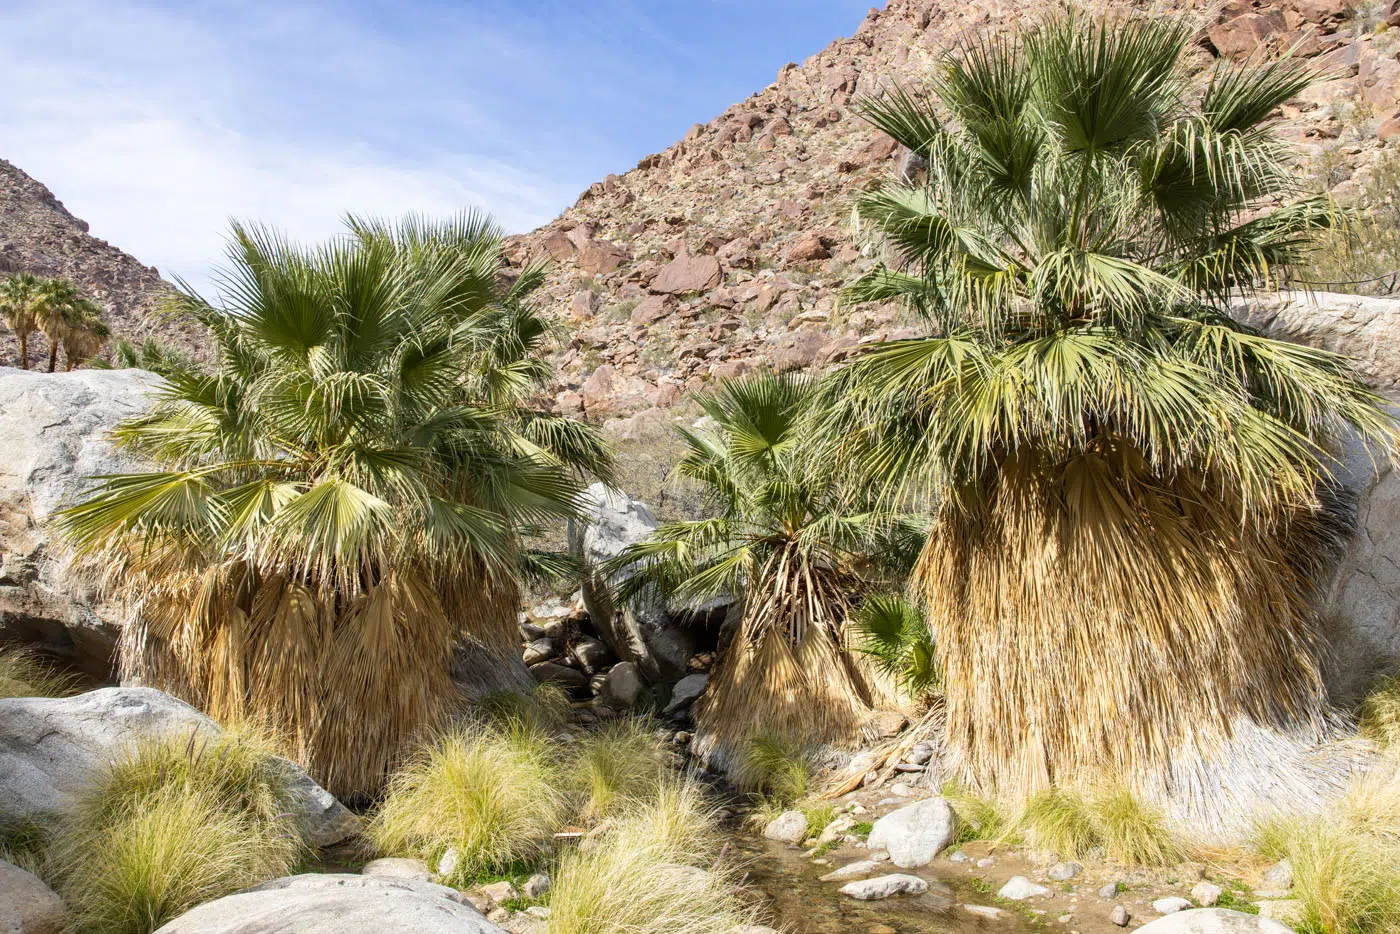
958	856
498	892
880	856
1206	894
537	885
986	862
985	911
498	915
1019	888
886	802
1120	916
1279	875
1171	905
902	790
921	753
1065	918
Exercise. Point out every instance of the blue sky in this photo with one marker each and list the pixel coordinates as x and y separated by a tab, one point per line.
158	121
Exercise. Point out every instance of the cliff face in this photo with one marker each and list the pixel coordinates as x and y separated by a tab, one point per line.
728	249
39	235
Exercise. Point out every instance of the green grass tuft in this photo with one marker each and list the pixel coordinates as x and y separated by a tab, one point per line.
619	765
1379	716
1132	831
25	673
776	767
544	709
982	816
1059	820
1347	881
172	824
493	795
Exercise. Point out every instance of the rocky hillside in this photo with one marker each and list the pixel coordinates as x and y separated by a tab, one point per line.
39	235
728	249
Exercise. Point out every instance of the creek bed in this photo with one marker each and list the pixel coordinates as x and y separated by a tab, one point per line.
798	902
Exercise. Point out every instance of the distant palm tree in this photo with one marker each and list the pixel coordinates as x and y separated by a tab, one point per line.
20	295
1131	489
337	499
85	335
61	310
794	551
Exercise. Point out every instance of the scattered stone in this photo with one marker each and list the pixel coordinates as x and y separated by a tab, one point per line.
1063	872
789	827
540	650
1286	910
592	655
567	678
852	871
958	856
395	867
447	863
915	835
902	790
921	754
1213	921
984	911
1120	916
537	886
538	911
688	273
837	828
686	691
1206	894
330	903
1019	888
498	892
1109	891
1171	905
986	862
1279	876
623	686
869	890
27	905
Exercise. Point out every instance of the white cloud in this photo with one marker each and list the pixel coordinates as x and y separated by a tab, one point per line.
147	127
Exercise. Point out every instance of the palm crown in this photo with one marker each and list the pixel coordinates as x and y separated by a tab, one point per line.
339	496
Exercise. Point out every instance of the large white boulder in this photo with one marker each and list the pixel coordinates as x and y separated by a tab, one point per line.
1360	601
1214	921
50	749
915	834
336	904
53	438
27	905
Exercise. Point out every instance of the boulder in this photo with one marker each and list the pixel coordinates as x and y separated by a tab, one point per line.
915	834
868	890
647	634
688	273
788	827
622	686
566	678
1019	888
1213	921
686	691
54	427
51	748
398	867
1360	599
335	904
27	905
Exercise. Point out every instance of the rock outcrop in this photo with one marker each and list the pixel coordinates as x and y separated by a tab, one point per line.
336	904
54	429
38	235
50	749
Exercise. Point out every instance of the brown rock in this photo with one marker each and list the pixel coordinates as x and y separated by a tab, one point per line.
688	273
583	306
809	249
1241	36
796	350
558	245
653	308
599	257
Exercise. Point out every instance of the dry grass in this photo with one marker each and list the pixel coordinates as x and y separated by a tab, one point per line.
171	825
1058	820
544	708
1379	716
24	673
615	767
493	795
1131	830
1120	617
654	873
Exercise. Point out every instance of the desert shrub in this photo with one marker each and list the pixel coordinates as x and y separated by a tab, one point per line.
490	794
619	765
24	673
171	824
654	873
1059	820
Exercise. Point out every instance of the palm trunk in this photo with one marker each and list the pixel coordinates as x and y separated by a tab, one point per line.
24	349
53	355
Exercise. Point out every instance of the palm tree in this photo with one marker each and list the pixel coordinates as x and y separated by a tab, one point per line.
85	333
790	548
335	504
1131	490
61	310
19	297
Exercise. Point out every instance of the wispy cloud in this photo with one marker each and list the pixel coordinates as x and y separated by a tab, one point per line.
158	120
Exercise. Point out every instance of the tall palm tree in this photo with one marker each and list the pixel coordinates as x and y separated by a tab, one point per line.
794	552
1131	489
85	333
19	298
335	504
61	310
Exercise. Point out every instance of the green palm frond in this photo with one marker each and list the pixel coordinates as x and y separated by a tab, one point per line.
893	632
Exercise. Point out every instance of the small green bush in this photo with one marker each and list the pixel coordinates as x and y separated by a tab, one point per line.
492	794
1347	881
1058	820
172	824
1130	830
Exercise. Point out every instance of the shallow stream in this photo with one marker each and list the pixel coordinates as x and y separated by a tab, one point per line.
800	903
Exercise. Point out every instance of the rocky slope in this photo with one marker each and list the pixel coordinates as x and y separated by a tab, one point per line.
728	249
39	235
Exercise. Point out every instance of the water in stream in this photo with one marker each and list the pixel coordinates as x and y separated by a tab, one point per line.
802	904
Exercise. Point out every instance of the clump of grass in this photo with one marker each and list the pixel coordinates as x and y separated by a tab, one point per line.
818	814
1059	820
1131	830
1347	881
23	845
982	816
776	767
172	824
1379	716
492	794
617	766
652	874
544	709
24	673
